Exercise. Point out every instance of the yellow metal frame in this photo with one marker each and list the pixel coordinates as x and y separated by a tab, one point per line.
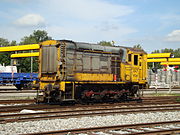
159	55
174	59
157	60
170	63
20	55
164	60
20	48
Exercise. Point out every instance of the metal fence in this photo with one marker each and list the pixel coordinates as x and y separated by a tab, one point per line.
164	79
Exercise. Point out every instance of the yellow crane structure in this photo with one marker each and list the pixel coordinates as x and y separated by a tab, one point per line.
159	55
164	60
170	63
157	60
20	48
22	55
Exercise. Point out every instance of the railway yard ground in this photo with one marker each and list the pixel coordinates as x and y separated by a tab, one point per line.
158	113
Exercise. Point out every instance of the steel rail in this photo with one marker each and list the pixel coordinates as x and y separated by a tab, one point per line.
23	91
116	127
87	110
145	99
7	109
16	101
81	113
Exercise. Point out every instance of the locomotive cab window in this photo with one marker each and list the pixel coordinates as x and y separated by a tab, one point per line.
135	59
129	57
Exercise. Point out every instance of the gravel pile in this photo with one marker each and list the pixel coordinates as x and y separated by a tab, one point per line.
84	122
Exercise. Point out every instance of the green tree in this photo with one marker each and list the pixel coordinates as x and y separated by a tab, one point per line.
105	43
36	37
138	46
4	42
177	53
4	56
13	43
156	51
166	50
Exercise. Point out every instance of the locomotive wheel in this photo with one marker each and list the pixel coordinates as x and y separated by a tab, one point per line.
84	98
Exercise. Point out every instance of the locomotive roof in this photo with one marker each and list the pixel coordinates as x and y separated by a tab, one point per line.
134	49
98	47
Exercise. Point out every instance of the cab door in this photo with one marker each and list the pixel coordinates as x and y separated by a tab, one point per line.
143	68
135	68
140	67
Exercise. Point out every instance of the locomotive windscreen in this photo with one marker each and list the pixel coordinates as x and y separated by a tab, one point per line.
49	59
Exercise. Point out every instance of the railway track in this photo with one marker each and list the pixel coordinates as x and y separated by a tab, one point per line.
166	127
145	100
16	101
9	115
17	91
17	108
32	106
92	111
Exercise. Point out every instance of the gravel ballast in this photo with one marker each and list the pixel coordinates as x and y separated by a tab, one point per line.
84	122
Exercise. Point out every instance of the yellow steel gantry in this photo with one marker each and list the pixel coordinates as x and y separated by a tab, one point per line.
173	59
170	63
20	55
20	48
164	60
157	60
159	55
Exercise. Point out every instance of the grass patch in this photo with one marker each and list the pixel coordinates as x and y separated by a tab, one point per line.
168	94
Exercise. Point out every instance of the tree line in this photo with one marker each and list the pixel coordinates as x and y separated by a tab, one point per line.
39	36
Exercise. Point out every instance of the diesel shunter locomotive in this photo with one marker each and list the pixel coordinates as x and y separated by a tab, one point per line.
84	72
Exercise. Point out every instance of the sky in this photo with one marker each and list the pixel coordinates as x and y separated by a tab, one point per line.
154	24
